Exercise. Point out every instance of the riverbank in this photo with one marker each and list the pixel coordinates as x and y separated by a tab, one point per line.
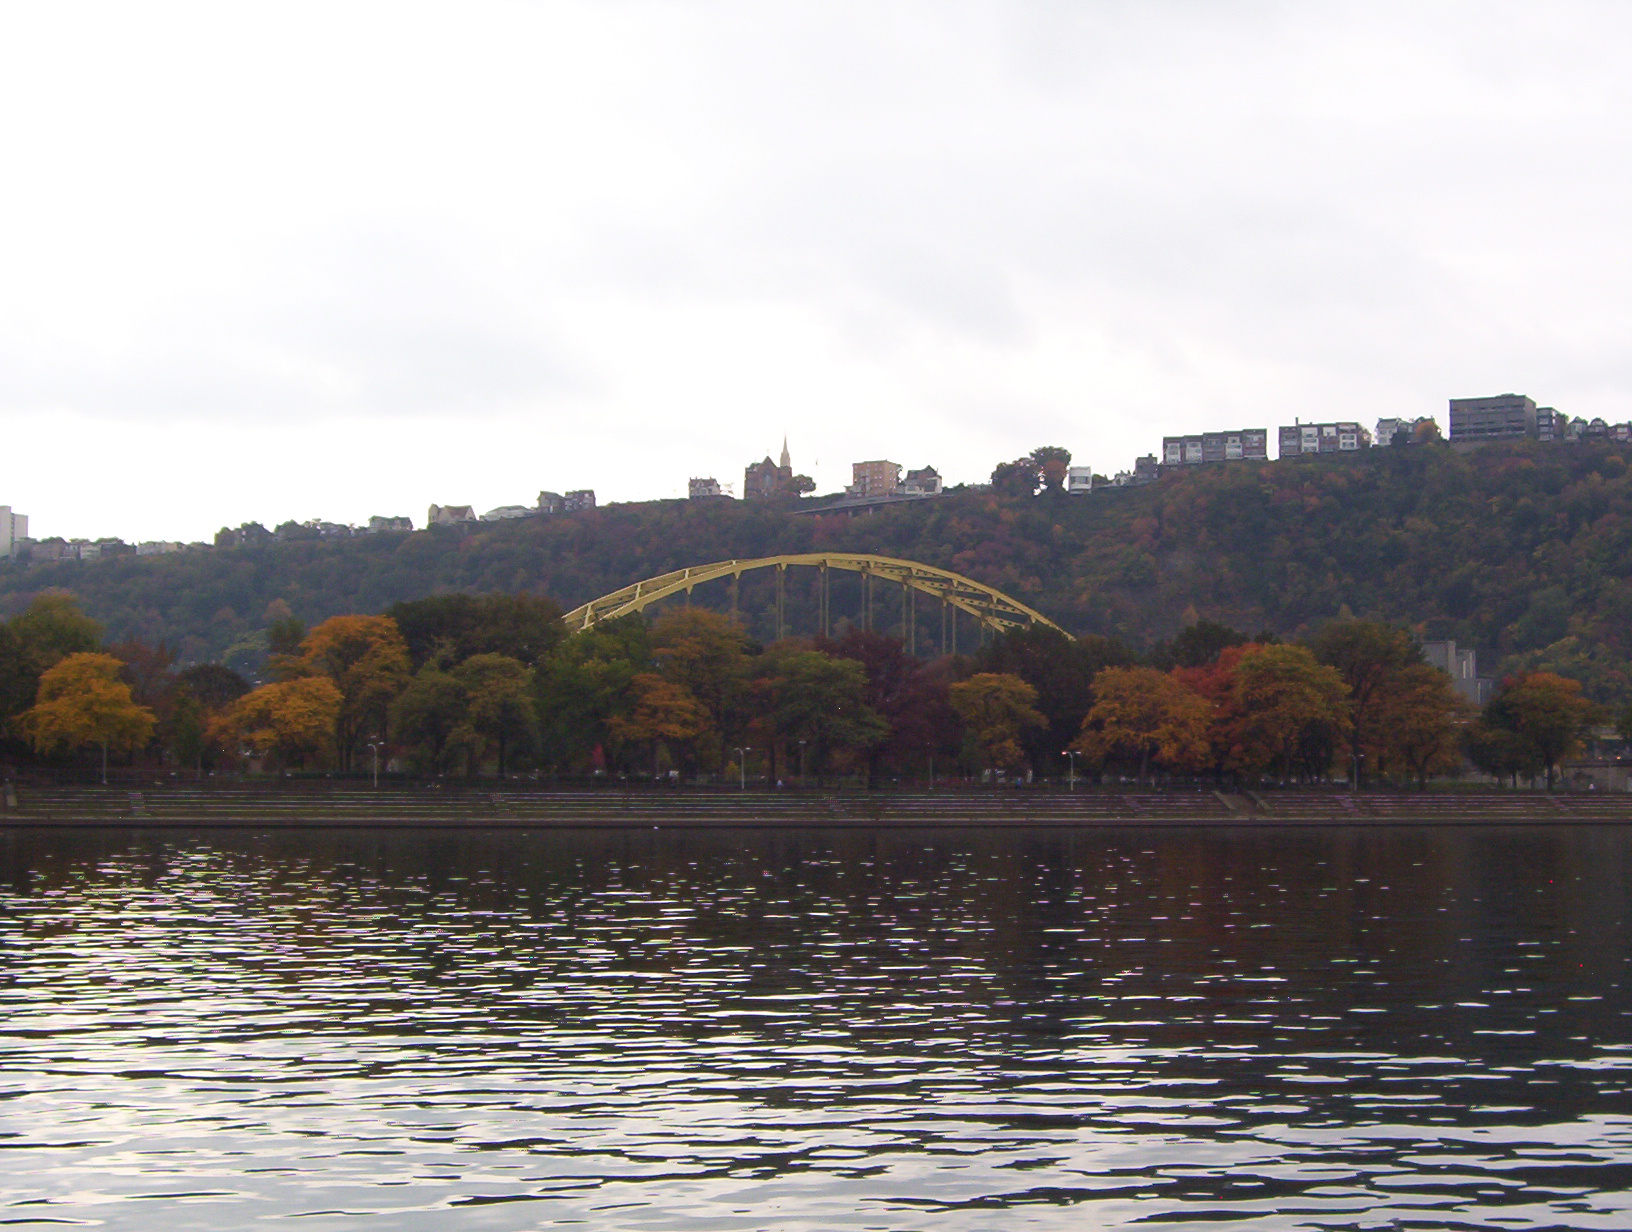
462	808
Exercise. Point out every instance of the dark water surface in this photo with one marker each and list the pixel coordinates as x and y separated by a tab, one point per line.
734	1030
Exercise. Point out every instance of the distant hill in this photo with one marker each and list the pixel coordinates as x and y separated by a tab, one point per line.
1523	551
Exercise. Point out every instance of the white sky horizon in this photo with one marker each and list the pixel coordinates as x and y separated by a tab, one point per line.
294	261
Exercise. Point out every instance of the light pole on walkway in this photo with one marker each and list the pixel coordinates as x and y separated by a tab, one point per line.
1071	772
742	767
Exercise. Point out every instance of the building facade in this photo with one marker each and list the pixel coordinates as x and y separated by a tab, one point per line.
1234	445
1342	436
878	478
1504	417
1079	479
378	525
505	512
1462	665
579	500
703	489
449	515
926	481
13	530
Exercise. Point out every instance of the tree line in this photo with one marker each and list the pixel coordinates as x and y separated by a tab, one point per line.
466	685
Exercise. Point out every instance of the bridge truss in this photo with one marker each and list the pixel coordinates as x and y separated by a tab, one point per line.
994	610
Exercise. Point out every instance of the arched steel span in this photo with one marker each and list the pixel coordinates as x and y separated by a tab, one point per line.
990	606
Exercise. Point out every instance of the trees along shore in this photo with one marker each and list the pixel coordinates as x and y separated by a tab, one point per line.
468	686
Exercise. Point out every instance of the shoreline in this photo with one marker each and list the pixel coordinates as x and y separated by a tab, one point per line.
174	807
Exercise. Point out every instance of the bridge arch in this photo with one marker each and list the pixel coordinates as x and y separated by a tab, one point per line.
993	609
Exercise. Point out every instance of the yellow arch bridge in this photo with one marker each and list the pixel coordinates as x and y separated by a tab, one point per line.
990	607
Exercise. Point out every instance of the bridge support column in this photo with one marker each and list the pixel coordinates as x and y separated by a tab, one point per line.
781	592
821	600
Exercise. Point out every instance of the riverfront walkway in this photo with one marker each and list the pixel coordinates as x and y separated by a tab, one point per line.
321	805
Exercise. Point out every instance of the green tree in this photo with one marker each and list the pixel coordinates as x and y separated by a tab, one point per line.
455	627
821	700
499	710
1052	463
426	714
585	684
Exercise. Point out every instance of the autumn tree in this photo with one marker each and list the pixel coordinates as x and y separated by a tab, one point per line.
1062	670
81	702
51	629
706	654
1370	656
292	720
997	709
367	659
1419	720
455	627
1288	707
1546	712
1144	715
663	713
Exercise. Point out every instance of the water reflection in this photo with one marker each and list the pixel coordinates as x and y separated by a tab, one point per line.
663	1030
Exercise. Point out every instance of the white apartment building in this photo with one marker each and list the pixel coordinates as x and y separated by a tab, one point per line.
13	530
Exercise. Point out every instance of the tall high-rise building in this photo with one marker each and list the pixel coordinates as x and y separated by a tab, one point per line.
13	529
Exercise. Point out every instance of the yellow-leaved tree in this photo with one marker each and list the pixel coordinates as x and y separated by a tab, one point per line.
291	719
996	707
367	659
82	702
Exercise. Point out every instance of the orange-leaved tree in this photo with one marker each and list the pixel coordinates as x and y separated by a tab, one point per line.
367	659
83	702
293	720
664	713
1545	711
1142	714
1420	719
996	708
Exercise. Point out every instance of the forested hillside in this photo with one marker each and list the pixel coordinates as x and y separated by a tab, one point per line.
1523	551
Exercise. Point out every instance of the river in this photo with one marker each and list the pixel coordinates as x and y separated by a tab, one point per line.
1259	1028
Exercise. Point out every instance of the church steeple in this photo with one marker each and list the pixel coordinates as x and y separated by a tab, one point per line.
787	463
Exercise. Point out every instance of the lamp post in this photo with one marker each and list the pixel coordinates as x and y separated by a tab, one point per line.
742	767
374	748
1071	771
801	764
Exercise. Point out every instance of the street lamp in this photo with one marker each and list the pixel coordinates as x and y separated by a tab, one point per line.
742	766
801	763
1071	772
374	748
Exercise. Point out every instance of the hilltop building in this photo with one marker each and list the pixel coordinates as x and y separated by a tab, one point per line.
13	529
1079	479
1343	436
925	481
449	515
769	480
874	478
1388	429
579	500
704	489
377	524
1230	446
1503	417
505	512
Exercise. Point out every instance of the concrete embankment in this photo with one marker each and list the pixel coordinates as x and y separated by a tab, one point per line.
274	807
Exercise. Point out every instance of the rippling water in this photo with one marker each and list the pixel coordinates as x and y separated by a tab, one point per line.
730	1030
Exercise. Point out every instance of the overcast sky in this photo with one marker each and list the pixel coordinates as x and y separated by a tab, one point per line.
331	260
